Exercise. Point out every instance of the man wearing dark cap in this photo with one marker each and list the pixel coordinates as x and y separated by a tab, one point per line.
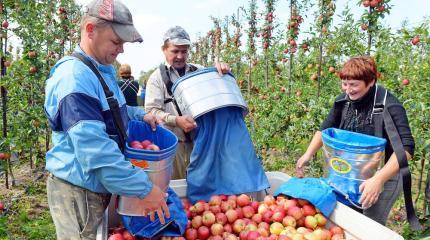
158	93
85	163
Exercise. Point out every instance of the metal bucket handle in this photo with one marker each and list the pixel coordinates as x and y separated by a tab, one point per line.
345	196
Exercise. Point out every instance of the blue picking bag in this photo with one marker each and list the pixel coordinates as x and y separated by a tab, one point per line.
316	190
175	226
351	158
223	160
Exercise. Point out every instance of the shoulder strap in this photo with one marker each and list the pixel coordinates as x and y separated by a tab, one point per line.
342	101
167	81
113	103
399	150
382	118
378	108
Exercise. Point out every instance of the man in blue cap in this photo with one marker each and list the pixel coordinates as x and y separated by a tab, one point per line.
85	163
176	46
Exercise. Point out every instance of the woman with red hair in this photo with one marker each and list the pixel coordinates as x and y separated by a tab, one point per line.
352	111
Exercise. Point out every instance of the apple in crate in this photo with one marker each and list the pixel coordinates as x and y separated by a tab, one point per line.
152	147
136	144
145	143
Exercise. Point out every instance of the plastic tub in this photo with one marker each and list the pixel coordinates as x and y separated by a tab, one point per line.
205	90
157	164
351	158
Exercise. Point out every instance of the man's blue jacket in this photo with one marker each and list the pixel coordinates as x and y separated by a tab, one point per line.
84	150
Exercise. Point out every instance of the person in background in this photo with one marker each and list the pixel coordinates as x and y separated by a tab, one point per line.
158	99
85	164
128	85
358	78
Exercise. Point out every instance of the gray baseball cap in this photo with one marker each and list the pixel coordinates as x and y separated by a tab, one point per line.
118	14
177	36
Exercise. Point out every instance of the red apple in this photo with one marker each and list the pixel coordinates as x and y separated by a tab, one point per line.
337	237
243	200
289	221
405	82
33	69
269	200
263	232
239	212
308	210
255	204
248	211
264	225
215	200
311	222
208	219
257	218
415	40
197	221
31	54
267	216
1	206
221	218
228	228
127	236
225	206
289	203
253	235
217	229
191	234
146	143
276	228
278	215
231	215
302	202
116	236
238	226
153	147
295	212
322	221
215	209
336	230
5	24
203	232
136	144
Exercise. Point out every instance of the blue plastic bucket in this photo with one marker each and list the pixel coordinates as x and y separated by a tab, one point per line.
159	163
351	158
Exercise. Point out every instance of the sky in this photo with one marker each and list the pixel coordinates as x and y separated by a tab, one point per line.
153	18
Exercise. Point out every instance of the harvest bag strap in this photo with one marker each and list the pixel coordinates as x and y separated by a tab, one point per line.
113	103
166	79
382	118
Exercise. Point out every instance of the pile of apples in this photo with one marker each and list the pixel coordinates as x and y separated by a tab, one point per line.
239	217
145	144
120	233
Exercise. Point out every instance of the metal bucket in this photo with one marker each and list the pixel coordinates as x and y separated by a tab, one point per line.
157	164
351	158
205	90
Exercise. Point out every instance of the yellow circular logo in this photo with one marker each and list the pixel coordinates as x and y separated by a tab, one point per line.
340	165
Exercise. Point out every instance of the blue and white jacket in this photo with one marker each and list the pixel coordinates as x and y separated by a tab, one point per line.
84	151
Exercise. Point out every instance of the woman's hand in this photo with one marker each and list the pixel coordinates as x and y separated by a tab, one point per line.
370	189
300	165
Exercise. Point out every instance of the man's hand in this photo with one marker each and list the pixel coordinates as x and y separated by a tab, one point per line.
152	120
186	123
155	202
222	68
